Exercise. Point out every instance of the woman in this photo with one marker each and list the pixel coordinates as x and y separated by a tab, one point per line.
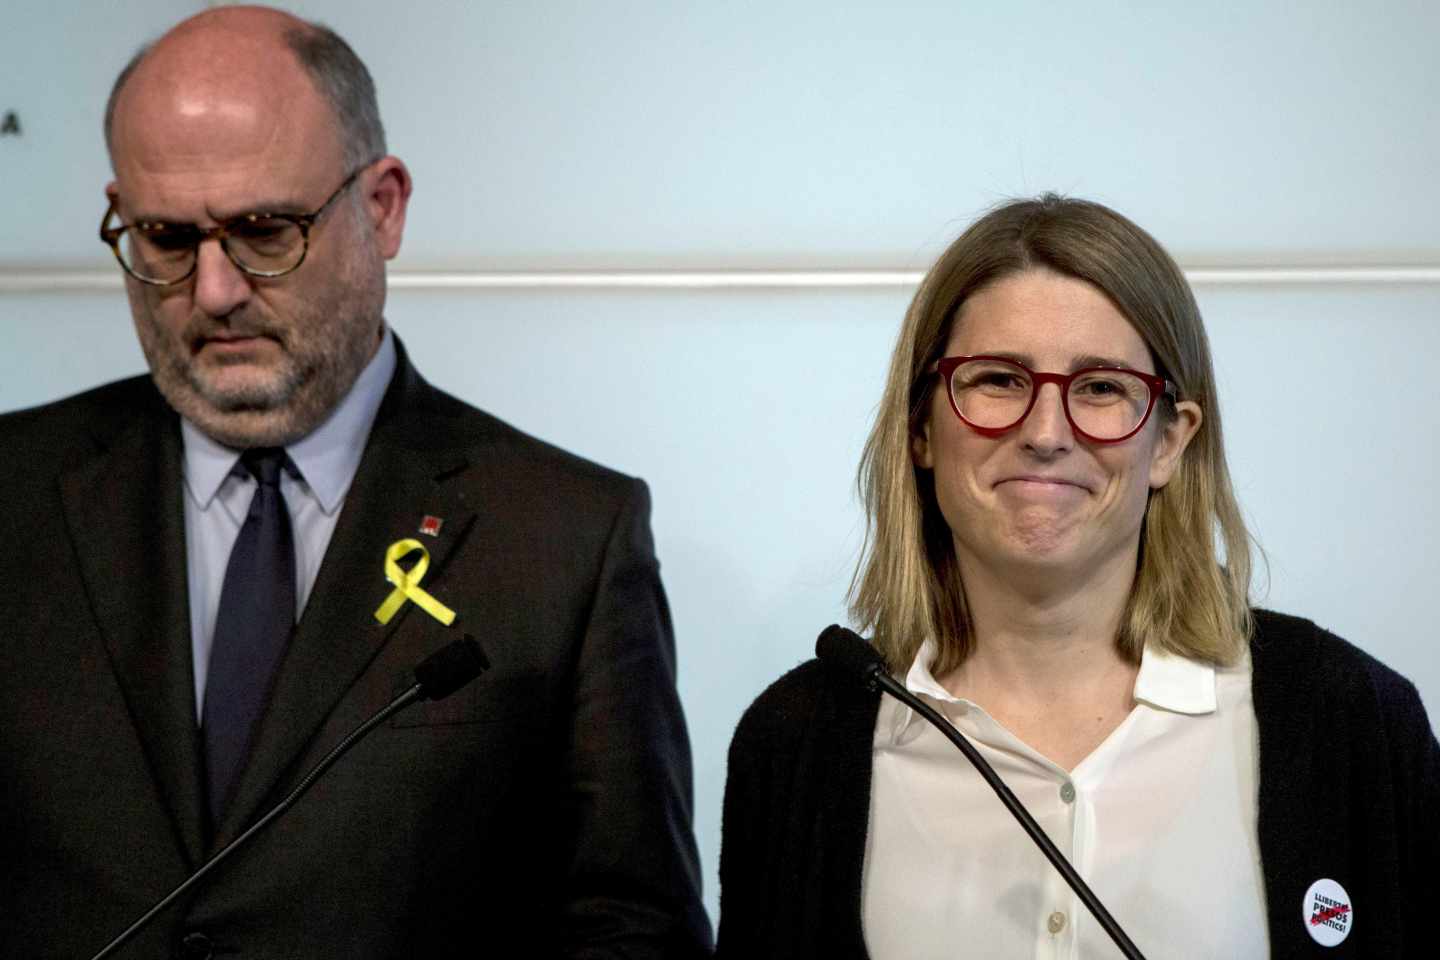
1057	563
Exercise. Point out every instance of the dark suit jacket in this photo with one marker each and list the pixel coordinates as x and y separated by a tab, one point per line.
548	801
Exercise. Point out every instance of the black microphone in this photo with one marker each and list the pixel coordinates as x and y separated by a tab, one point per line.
448	669
849	654
436	677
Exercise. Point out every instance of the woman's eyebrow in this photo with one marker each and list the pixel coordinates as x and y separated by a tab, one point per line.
1076	363
1095	360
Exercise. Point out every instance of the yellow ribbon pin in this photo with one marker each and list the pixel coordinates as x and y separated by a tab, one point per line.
407	584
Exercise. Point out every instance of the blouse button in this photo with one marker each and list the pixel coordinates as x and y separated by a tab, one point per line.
1067	792
1056	923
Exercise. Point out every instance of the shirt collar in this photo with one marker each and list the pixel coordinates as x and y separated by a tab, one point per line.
1168	681
327	457
1165	681
921	682
207	463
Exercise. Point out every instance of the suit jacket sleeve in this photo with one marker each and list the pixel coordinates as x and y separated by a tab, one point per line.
797	803
634	883
747	822
1416	765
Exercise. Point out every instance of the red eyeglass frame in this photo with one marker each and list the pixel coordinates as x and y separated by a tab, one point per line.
944	368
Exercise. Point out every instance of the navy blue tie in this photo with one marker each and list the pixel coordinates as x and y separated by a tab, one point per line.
256	618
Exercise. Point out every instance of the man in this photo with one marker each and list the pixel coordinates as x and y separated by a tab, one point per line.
195	605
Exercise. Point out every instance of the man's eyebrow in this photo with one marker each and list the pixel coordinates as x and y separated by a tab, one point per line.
152	219
282	207
161	223
286	207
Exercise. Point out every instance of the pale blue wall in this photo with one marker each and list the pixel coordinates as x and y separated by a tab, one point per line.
774	135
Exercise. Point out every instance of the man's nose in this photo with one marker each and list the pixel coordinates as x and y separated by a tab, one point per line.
220	286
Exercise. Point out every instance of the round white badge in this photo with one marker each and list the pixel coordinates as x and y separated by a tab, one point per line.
1326	913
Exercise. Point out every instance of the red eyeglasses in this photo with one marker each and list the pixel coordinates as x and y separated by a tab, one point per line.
993	395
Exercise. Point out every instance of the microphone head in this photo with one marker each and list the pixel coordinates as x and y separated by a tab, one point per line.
847	652
450	668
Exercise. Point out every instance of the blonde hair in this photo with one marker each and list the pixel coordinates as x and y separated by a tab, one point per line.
907	586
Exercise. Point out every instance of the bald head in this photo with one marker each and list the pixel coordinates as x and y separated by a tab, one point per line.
250	51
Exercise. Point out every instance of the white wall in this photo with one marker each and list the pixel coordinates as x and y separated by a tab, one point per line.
661	135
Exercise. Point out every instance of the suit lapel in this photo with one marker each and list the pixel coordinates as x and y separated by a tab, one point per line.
399	483
124	513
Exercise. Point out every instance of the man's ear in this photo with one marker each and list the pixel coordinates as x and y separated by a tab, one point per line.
388	185
1174	437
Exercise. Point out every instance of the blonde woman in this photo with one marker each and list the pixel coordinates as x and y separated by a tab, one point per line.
1056	562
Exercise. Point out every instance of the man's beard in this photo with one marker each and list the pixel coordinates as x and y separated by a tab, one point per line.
275	392
323	348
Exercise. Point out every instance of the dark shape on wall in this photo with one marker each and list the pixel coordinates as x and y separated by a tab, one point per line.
10	126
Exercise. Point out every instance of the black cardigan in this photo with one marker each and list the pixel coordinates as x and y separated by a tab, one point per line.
1349	789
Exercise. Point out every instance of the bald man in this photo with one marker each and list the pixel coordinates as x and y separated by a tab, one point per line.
195	597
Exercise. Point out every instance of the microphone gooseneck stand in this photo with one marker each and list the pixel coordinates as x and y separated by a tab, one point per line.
438	676
847	650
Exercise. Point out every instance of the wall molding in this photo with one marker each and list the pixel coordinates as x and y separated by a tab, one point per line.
42	280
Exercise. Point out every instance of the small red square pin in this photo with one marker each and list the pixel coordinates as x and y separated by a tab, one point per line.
430	526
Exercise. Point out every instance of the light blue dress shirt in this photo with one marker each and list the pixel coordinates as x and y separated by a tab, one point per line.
218	492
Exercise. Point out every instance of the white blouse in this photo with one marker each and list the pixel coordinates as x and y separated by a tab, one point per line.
1160	821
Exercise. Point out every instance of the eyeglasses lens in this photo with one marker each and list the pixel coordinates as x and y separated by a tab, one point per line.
265	246
160	252
994	394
